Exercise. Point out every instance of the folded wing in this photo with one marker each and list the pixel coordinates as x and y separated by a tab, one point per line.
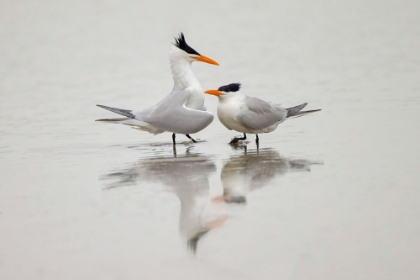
258	114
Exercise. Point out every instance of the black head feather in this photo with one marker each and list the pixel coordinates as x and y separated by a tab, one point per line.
230	87
182	44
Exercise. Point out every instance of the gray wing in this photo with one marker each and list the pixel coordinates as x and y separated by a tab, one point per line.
293	111
171	114
258	114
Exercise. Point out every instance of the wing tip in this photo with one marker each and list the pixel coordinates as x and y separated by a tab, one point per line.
295	110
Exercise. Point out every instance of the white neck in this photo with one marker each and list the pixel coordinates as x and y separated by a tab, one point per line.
182	73
184	77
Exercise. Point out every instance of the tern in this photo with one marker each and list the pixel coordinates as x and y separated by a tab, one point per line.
237	111
183	110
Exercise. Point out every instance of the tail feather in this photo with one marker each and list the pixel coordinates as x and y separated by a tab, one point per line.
294	110
125	121
124	112
112	120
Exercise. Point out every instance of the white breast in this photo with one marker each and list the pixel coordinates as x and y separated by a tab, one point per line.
227	111
184	77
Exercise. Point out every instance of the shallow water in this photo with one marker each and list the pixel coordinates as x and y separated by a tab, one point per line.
333	195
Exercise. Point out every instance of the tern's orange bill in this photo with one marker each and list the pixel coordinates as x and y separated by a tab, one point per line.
206	59
213	92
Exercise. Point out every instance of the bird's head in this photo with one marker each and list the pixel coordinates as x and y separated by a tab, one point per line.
225	91
181	50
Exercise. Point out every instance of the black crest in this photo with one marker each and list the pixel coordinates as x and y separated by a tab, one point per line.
182	44
230	87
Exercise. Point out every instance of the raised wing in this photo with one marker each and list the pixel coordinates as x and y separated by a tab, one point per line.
171	114
258	114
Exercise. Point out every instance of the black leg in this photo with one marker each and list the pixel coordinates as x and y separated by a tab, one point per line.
174	150
190	138
173	138
236	139
257	140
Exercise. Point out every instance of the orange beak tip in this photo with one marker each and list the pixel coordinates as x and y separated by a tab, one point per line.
213	92
206	59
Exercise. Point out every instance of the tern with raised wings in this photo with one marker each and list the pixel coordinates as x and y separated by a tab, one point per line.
183	110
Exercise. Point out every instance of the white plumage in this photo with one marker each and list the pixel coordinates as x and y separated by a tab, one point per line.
183	110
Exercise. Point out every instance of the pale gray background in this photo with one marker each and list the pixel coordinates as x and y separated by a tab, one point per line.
353	216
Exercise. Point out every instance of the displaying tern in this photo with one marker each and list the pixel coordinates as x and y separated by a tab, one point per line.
237	111
183	110
170	114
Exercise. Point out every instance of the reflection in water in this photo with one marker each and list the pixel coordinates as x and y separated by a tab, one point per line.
255	169
187	177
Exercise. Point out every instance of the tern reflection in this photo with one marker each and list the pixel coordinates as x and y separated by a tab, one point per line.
254	170
187	178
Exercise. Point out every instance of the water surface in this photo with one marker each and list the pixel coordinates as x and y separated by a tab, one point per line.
333	195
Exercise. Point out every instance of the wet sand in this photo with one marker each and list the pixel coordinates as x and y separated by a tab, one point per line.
332	195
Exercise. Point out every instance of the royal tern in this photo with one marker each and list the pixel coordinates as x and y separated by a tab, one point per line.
237	111
170	114
183	110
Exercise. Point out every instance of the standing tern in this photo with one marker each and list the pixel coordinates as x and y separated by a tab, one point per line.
170	114
189	114
237	111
